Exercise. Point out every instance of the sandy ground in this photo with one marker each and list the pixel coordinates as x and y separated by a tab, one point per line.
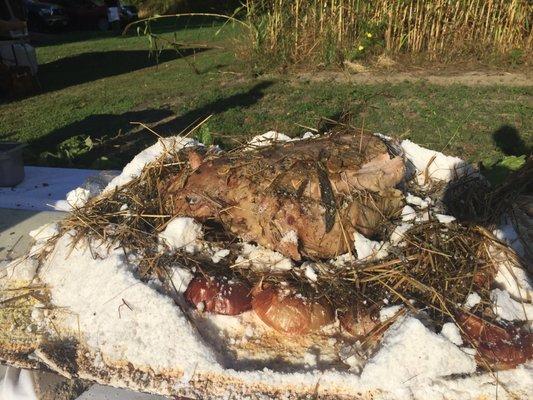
473	78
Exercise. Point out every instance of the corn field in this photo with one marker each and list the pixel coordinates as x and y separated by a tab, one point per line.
329	31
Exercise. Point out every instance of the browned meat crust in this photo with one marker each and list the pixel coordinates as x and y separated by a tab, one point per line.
299	198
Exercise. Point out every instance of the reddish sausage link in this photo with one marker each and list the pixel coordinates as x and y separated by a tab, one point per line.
219	296
500	347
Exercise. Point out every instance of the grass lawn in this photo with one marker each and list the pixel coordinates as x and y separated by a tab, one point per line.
94	85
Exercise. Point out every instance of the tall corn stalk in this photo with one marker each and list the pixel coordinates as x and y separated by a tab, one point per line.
298	31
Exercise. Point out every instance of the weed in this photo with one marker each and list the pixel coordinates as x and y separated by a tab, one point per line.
204	135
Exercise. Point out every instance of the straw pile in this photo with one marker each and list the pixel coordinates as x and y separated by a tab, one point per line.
434	269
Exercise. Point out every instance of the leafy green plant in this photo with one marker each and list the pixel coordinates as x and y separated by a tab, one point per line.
499	171
203	135
69	149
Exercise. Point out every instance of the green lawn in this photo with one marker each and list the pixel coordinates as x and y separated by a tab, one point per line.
95	84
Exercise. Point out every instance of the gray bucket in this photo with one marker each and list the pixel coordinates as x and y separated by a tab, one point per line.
11	163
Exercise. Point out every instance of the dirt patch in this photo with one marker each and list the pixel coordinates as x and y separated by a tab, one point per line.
472	78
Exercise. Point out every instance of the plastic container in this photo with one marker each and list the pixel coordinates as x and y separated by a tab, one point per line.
11	163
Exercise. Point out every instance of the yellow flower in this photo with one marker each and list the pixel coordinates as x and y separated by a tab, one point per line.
368	35
361	48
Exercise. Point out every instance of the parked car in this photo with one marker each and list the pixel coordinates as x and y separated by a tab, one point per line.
92	14
42	16
84	14
128	14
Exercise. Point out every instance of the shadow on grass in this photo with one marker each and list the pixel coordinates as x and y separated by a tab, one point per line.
486	201
115	140
87	67
508	139
166	25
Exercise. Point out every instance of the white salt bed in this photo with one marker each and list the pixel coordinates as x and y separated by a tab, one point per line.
263	259
439	166
512	277
180	278
219	255
100	392
45	232
310	359
134	168
92	186
267	139
369	249
417	201
408	213
445	219
397	235
75	199
387	313
183	232
512	385
472	300
451	332
507	234
21	269
409	352
350	356
309	271
509	309
412	362
94	293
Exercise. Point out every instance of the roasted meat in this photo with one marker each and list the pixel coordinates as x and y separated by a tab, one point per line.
301	198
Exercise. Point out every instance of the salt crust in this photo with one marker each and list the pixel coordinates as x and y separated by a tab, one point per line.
509	309
95	291
75	198
397	236
260	258
417	355
120	316
512	277
182	232
266	139
124	319
507	234
472	300
134	168
437	166
451	332
367	249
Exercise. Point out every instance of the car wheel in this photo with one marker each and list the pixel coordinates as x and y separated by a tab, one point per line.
103	24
